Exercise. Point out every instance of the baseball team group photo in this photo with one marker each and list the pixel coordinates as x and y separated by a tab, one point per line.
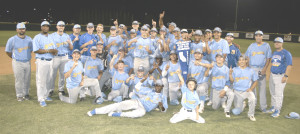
149	73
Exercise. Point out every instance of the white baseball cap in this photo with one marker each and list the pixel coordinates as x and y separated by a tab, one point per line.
60	23
20	25
45	23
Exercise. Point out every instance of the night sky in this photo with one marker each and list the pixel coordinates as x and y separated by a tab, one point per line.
278	16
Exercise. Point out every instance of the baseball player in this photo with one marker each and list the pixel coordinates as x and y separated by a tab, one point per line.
169	71
19	48
135	25
140	75
87	40
128	68
63	45
155	44
139	106
183	51
198	69
75	36
131	43
207	39
163	46
234	49
157	67
220	85
93	70
44	49
281	65
219	45
142	51
260	54
171	25
120	81
114	42
104	82
198	44
189	101
172	42
100	36
244	80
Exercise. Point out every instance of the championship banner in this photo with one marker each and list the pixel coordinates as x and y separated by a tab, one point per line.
266	37
250	35
236	35
287	38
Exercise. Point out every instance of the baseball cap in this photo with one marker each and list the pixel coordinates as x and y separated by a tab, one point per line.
76	51
208	30
113	28
121	49
176	29
159	82
217	29
153	29
219	54
184	31
121	25
172	24
132	31
229	34
198	32
45	23
93	48
61	23
144	27
90	25
198	51
259	32
293	115
76	26
99	42
191	79
158	56
278	39
163	29
135	23
236	111
141	68
147	25
243	56
20	25
173	52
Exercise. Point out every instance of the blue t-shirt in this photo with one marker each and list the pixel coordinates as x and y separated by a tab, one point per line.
61	42
76	44
190	99
198	71
20	48
233	56
258	55
220	77
130	48
220	47
86	38
76	75
280	61
92	67
243	78
41	41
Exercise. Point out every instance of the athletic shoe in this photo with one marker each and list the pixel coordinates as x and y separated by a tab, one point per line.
275	114
209	103
27	97
20	98
227	114
110	114
252	118
51	93
224	105
63	92
43	104
271	110
89	113
48	99
116	114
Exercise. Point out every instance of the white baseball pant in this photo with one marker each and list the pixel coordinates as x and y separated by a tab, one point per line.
241	96
261	90
123	91
184	114
276	90
22	73
43	78
217	101
59	64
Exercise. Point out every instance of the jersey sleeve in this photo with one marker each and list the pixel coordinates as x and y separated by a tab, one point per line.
225	47
248	54
269	52
254	75
35	43
9	45
67	67
100	66
289	58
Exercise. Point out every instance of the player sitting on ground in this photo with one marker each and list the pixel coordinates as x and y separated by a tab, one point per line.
139	106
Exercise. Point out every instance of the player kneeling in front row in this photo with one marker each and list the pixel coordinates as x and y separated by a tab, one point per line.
242	77
139	106
190	102
73	73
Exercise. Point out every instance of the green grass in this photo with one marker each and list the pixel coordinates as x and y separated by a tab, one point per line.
59	117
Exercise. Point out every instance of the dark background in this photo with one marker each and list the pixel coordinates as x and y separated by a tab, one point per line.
273	16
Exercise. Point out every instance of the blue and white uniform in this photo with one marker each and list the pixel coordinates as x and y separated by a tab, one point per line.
220	47
141	55
119	85
173	81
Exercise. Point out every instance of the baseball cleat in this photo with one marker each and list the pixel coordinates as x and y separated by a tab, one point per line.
27	97
275	114
110	114
271	110
43	104
252	118
48	99
227	114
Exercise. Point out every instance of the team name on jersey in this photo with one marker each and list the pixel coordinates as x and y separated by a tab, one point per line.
232	51
276	60
21	49
61	44
237	79
130	48
193	75
155	100
188	101
172	73
119	81
91	67
217	51
256	53
48	45
184	45
218	77
75	74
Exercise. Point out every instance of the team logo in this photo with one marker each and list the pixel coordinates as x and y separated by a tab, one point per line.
232	51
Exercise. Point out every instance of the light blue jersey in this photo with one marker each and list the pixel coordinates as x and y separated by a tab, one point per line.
220	47
118	79
61	43
128	63
220	77
198	71
151	100
190	99
20	48
171	73
92	67
258	55
103	38
76	75
41	41
146	83
86	38
194	47
243	78
131	48
140	49
115	47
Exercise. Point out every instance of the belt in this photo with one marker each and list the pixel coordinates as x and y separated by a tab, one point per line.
21	60
188	110
278	73
62	54
44	59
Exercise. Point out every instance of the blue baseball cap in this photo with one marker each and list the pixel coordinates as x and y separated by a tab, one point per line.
153	29
135	23
217	29
293	115
100	42
219	54
159	82
259	32
198	32
158	55
176	29
93	48
132	31
229	34
77	26
90	25
45	23
148	25
278	39
172	24
163	29
20	25
184	31
173	52
61	23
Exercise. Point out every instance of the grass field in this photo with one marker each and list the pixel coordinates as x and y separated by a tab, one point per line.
59	117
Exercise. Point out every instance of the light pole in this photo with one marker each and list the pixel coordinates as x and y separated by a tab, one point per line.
236	12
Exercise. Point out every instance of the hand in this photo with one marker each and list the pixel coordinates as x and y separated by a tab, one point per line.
230	70
85	49
68	41
162	36
115	56
284	79
151	77
249	90
81	83
147	48
113	43
263	72
99	77
155	66
192	32
75	64
90	42
162	15
222	93
76	38
132	76
116	22
153	23
167	67
178	71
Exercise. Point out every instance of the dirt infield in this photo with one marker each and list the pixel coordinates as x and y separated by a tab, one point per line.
6	68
